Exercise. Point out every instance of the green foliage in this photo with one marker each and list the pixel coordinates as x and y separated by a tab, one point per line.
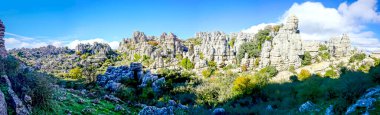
207	73
195	41
306	59
147	94
269	71
322	48
252	48
187	64
304	74
126	93
201	55
324	55
10	65
136	57
357	57
232	42
84	56
292	69
212	64
243	85
331	73
262	36
75	73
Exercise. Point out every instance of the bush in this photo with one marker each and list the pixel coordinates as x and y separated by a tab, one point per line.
357	57
207	73
243	85
187	64
232	42
136	57
306	59
322	48
304	74
270	70
252	48
126	93
75	73
331	73
324	55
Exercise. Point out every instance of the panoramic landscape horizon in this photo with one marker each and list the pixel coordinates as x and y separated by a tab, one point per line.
165	57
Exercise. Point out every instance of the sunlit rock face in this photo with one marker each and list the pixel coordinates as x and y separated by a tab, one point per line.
340	46
3	51
285	48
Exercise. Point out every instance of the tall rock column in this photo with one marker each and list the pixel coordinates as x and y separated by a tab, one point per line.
340	46
3	51
287	46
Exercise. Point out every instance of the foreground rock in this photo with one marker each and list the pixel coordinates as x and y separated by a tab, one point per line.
366	101
3	104
308	107
17	103
168	110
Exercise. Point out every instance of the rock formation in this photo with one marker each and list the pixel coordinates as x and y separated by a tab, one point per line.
286	49
3	104
3	51
340	46
95	48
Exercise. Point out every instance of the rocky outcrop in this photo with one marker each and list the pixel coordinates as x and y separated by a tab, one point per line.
170	108
17	103
286	47
95	48
219	111
215	47
340	46
112	77
308	107
366	101
3	51
3	104
161	51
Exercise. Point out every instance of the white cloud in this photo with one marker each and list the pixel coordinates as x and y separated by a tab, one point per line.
73	44
317	22
256	28
19	41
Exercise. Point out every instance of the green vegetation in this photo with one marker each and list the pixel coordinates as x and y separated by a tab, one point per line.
153	43
357	57
303	75
331	73
232	42
251	48
75	73
322	48
187	64
136	57
306	59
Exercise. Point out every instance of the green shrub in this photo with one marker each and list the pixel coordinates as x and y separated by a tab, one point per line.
252	48
207	73
147	94
75	73
187	64
232	42
126	93
304	74
306	59
244	68
243	85
331	73
357	57
136	57
322	48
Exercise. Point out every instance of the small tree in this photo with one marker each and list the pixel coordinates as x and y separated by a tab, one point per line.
306	59
243	85
136	57
304	74
186	63
75	73
331	73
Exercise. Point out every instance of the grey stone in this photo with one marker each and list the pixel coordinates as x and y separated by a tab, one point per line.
3	104
219	111
152	110
3	51
308	107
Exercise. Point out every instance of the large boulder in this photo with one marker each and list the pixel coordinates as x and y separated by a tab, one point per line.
286	48
308	107
219	111
3	104
152	110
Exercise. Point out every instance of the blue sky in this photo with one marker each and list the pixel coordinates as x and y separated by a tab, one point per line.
68	20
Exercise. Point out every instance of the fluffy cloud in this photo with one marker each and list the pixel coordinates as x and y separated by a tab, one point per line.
317	22
19	41
73	44
256	28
